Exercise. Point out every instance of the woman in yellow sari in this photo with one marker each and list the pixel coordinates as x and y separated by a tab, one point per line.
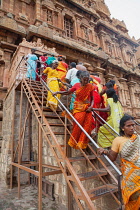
128	145
82	110
53	84
114	108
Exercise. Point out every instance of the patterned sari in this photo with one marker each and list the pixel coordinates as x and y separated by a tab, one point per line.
81	104
130	157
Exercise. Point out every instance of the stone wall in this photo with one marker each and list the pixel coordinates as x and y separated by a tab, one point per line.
60	191
11	115
5	156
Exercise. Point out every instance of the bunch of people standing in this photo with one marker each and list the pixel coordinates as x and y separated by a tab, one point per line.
87	96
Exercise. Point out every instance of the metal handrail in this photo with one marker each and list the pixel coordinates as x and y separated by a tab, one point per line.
106	123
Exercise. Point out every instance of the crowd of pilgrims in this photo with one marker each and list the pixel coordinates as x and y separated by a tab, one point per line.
88	95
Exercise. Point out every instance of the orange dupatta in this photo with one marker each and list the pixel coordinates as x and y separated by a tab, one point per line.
82	98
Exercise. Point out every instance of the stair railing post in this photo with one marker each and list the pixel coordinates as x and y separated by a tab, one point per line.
19	147
12	143
40	170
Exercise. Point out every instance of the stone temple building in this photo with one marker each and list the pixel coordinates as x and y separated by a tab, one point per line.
81	31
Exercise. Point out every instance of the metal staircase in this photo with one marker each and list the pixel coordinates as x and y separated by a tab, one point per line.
36	93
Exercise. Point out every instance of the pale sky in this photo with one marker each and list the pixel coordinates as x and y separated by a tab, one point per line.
129	11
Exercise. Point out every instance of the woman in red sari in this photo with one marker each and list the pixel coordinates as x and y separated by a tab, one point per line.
82	110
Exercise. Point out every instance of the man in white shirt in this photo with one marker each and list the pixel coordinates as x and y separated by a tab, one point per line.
71	74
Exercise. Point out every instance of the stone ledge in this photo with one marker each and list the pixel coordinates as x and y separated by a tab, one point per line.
12	25
45	32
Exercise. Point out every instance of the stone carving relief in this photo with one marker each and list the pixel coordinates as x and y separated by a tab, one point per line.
45	3
89	3
49	16
38	45
101	6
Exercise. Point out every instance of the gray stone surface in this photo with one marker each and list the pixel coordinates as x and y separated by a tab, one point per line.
28	201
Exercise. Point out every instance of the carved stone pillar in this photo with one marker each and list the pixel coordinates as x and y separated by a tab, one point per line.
131	85
2	66
78	23
114	42
92	24
115	50
135	63
7	59
38	9
90	35
101	72
122	92
23	7
102	35
123	46
60	16
11	6
109	77
82	32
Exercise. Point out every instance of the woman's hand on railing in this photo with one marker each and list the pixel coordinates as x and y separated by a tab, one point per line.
59	80
89	109
102	151
55	93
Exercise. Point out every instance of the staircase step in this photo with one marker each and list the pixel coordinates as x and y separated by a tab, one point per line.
36	88
40	97
39	93
47	109
61	145
53	116
58	133
90	174
100	191
32	81
74	159
56	124
40	102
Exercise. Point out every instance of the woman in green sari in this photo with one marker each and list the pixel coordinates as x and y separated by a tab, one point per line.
105	136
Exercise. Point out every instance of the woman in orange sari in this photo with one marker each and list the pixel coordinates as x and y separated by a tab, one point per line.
82	110
128	145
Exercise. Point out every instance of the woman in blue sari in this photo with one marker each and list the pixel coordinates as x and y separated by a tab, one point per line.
31	65
73	82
